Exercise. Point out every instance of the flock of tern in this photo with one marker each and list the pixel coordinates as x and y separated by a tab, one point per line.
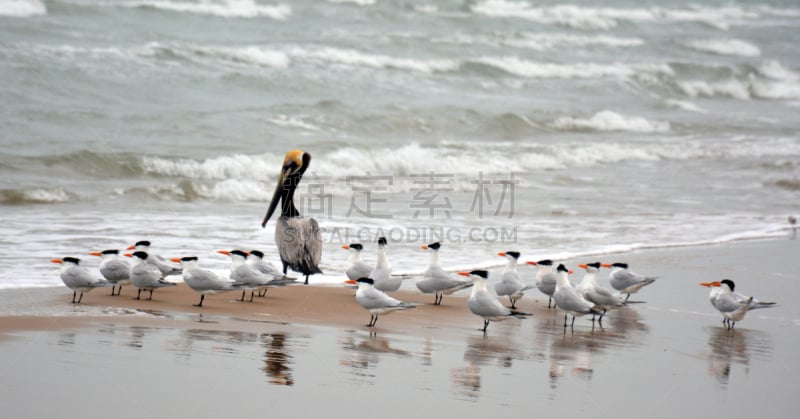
299	245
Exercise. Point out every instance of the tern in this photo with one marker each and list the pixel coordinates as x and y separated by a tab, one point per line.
249	277
568	299
77	278
357	268
437	280
545	278
485	305
255	258
114	269
204	281
154	259
589	289
732	305
382	274
299	239
146	276
626	281
510	284
376	301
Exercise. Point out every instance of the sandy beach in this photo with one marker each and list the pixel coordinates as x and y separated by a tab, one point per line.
304	350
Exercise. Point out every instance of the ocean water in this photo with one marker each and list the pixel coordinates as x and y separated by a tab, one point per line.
557	129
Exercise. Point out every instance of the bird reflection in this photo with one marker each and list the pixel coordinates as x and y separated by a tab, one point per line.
574	351
277	360
727	349
365	354
482	351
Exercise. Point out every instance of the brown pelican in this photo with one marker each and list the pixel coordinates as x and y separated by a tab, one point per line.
299	239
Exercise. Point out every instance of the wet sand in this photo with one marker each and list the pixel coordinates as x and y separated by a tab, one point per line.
304	351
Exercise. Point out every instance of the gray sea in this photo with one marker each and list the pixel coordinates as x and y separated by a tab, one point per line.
558	129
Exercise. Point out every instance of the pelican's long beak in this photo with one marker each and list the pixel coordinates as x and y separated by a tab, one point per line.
96	253
291	163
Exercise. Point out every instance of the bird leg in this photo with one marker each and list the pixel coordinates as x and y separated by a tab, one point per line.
112	290
150	298
573	322
626	297
252	293
243	293
200	304
549	299
565	321
485	325
304	283
513	302
138	295
74	294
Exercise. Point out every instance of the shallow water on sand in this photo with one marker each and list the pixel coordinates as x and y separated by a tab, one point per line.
622	369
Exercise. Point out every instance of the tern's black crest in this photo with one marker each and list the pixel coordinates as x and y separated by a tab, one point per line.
239	252
545	262
189	259
143	243
258	253
110	252
357	246
366	280
382	241
514	255
481	273
435	245
71	259
595	265
729	282
562	268
140	255
619	265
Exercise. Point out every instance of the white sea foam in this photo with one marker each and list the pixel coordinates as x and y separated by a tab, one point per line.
610	121
221	8
735	47
603	18
356	58
358	2
525	68
776	71
730	88
223	167
684	104
546	41
22	8
259	56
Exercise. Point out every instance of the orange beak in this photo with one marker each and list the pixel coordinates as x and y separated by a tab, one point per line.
176	260
346	247
425	247
530	262
606	265
706	284
350	281
224	252
56	261
583	265
501	254
96	253
464	273
130	255
131	247
570	272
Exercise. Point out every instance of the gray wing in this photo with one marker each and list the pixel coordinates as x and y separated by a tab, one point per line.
569	300
116	270
203	280
728	303
78	277
372	299
486	305
299	243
